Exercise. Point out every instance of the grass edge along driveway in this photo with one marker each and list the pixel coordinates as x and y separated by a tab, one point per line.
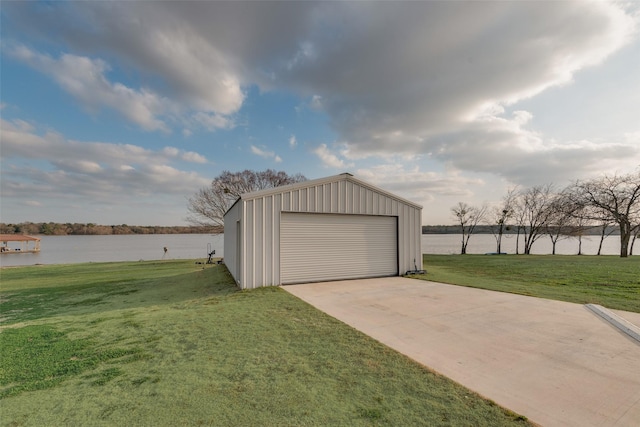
610	281
167	343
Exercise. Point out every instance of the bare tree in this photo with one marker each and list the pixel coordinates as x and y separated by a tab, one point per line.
468	217
560	222
518	217
611	198
578	227
536	204
499	216
635	231
605	231
208	206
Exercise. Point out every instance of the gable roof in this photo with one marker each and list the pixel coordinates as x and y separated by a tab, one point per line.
328	180
18	238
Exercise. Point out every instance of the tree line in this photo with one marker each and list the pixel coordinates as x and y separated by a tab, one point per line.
606	204
206	208
488	229
603	205
88	229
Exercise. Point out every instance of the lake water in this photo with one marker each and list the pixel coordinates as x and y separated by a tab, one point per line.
484	243
135	247
127	247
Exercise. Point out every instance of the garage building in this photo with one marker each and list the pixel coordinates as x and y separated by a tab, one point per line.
332	228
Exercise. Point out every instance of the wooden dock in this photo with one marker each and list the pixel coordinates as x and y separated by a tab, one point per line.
19	244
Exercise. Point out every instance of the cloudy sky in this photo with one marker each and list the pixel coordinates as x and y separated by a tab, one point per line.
116	112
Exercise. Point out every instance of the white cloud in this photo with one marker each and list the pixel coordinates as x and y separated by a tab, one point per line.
102	173
85	166
436	191
86	80
433	78
522	117
265	154
191	156
316	103
414	183
259	152
329	159
187	47
312	104
506	148
293	142
20	139
213	121
632	138
171	151
441	80
188	156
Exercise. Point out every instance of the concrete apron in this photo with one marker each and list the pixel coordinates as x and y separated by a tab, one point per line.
554	362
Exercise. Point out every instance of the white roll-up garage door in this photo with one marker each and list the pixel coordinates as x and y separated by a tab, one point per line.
323	247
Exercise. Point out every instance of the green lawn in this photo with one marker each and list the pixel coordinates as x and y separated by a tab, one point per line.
610	281
170	343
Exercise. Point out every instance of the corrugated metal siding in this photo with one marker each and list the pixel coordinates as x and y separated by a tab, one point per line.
231	240
321	247
338	197
260	223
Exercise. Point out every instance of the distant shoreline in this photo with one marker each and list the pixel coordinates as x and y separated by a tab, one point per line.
89	229
510	229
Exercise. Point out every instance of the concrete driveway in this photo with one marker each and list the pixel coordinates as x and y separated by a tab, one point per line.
557	363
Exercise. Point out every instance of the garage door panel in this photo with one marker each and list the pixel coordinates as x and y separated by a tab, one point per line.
319	247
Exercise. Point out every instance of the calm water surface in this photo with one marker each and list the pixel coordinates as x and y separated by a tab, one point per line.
74	249
484	243
129	247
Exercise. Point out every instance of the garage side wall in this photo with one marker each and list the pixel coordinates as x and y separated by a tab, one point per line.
261	226
232	246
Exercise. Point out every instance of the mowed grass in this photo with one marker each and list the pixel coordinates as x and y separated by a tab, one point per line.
610	281
173	343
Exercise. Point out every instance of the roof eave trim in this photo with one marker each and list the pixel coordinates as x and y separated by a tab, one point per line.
334	178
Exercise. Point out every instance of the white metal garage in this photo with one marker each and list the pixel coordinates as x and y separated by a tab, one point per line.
321	247
326	229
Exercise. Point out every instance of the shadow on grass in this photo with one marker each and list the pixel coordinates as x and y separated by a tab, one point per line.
30	304
39	357
208	354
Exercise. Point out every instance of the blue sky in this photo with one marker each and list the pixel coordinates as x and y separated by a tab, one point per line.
117	112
